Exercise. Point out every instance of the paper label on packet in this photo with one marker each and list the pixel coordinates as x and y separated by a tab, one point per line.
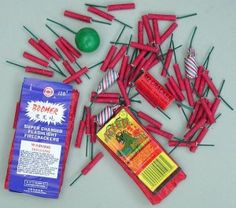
39	143
37	159
133	145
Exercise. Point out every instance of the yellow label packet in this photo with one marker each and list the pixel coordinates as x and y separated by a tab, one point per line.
134	146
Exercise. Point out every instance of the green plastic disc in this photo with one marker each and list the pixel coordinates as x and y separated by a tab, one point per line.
87	39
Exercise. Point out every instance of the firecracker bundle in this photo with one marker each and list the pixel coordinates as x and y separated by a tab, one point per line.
140	155
44	125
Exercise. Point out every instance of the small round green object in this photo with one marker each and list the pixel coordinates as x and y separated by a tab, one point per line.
87	39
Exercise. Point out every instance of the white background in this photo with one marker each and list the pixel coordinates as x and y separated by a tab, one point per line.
210	172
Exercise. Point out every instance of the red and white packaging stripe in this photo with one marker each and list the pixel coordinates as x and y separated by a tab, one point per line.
106	114
108	80
191	66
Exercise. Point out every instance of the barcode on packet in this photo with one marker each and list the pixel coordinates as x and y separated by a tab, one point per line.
157	171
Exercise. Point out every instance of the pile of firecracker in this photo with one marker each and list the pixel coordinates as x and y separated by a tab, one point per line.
45	113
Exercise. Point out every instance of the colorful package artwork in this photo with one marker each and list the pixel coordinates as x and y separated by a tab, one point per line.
42	138
140	155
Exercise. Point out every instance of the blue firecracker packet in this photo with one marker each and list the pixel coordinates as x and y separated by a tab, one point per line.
42	138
